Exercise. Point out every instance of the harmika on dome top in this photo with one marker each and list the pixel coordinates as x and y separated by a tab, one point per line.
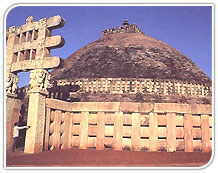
126	52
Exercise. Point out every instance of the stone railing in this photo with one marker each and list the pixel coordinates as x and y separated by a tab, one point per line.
128	126
125	28
145	86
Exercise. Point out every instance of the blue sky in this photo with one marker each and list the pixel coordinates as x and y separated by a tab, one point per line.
186	28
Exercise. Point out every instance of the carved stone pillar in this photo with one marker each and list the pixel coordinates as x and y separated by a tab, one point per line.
36	111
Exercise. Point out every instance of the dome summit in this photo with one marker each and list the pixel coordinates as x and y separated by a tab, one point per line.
126	52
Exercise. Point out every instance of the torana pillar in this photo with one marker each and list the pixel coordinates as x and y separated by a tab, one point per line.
36	111
28	49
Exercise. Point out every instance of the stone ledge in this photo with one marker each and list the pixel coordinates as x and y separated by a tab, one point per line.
128	107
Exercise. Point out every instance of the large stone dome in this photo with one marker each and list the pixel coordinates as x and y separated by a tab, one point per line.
126	52
124	64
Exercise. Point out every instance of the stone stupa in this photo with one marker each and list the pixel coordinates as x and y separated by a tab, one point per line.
124	64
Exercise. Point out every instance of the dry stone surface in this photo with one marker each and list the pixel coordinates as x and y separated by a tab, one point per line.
129	55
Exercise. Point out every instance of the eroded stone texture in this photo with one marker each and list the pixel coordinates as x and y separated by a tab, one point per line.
120	53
